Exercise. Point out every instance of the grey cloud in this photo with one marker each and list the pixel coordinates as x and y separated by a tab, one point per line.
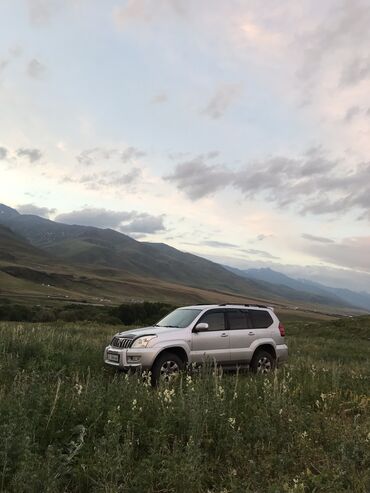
41	11
212	154
343	36
3	153
356	71
35	210
145	223
146	11
197	179
350	252
320	239
129	222
218	244
114	179
313	183
3	65
32	155
130	154
160	98
126	178
35	69
93	156
261	253
262	237
351	113
13	53
219	103
101	218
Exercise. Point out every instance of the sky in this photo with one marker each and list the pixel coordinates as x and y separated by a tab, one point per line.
235	130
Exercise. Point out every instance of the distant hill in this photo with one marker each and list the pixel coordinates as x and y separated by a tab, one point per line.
80	261
339	296
15	248
94	247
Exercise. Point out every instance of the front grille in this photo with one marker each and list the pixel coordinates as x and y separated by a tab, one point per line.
122	342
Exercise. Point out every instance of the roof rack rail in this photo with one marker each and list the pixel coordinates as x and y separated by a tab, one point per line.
244	304
202	304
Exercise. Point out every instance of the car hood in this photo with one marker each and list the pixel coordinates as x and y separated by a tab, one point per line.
159	331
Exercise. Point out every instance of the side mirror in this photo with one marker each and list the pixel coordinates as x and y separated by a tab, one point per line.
202	327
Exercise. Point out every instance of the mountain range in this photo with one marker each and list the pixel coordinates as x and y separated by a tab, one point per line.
340	295
38	255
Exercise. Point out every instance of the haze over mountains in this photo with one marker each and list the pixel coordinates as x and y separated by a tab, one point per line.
341	295
48	253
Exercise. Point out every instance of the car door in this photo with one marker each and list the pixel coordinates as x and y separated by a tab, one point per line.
213	343
241	335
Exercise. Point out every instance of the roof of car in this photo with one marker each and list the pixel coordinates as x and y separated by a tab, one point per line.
229	305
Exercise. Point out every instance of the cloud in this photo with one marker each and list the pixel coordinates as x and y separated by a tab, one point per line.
356	71
146	11
145	223
32	155
197	179
124	221
35	69
130	154
90	157
106	179
41	11
101	218
319	239
220	102
351	113
351	252
314	183
3	153
160	98
262	237
219	244
35	210
261	253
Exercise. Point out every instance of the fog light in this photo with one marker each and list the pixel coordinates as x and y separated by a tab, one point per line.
134	358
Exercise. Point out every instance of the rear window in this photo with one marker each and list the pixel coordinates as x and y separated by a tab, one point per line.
260	319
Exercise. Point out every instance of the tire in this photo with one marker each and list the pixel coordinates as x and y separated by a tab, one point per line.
166	368
263	362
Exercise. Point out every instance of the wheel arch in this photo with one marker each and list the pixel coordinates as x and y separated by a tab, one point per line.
269	348
178	350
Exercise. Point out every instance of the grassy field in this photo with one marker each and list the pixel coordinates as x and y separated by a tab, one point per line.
69	425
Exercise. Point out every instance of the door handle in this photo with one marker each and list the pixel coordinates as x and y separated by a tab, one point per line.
250	333
224	335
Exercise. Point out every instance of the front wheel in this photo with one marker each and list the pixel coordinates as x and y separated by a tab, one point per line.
166	368
263	362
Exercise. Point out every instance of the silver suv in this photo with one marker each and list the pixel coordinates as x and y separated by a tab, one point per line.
229	335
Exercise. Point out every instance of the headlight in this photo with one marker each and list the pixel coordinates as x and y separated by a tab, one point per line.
142	341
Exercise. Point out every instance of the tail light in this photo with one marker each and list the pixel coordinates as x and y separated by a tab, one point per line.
281	329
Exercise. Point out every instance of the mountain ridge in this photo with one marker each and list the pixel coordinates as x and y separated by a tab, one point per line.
91	248
342	295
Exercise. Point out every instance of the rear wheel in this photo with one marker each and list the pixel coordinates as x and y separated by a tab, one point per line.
166	368
263	362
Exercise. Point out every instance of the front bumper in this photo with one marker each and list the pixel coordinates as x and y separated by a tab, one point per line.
126	359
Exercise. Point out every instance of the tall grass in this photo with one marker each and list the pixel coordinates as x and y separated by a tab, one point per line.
68	424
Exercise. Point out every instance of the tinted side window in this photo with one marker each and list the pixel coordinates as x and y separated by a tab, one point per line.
260	319
237	319
215	320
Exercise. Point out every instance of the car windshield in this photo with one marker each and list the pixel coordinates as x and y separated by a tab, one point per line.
179	318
